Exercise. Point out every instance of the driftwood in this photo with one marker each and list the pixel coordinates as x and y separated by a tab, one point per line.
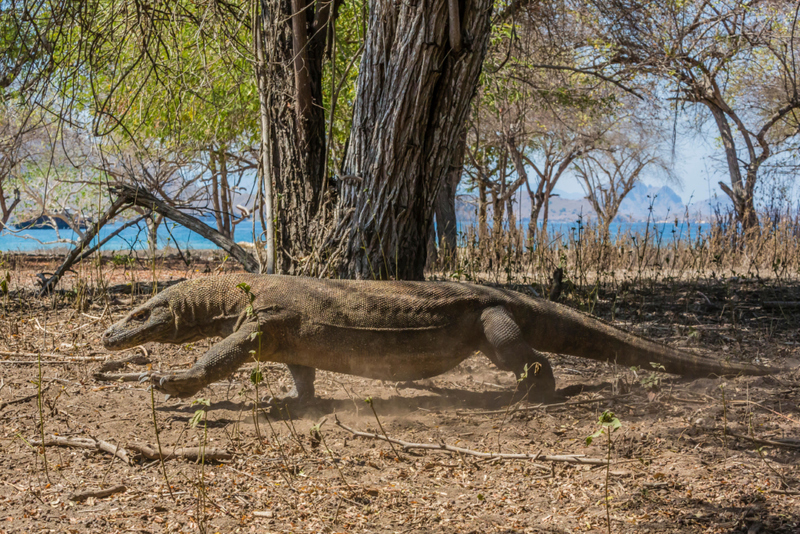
566	458
128	195
91	233
98	493
136	196
85	443
189	453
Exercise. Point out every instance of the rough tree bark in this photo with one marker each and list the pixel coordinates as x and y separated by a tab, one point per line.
296	121
411	105
446	223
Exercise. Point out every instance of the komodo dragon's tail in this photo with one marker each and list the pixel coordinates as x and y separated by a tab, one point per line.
560	329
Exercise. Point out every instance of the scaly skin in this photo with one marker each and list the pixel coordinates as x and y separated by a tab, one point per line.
385	330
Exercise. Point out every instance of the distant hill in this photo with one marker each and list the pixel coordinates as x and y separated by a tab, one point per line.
666	205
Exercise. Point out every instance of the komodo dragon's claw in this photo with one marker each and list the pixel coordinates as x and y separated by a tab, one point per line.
144	377
179	385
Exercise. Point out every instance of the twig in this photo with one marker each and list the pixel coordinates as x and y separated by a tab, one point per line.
51	355
115	365
21	399
189	453
785	444
568	458
118	377
84	443
99	493
545	406
54	362
790	304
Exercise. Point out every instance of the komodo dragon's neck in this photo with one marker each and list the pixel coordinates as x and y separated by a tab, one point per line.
214	303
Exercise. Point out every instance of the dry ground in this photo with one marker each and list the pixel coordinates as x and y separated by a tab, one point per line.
676	468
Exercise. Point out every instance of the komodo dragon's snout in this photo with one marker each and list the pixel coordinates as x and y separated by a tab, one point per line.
152	321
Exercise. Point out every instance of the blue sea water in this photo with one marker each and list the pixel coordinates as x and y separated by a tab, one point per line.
133	238
172	235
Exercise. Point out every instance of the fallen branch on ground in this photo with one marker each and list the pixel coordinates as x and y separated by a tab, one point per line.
115	365
85	443
785	304
189	453
793	444
17	401
567	458
49	362
98	493
50	355
119	377
23	399
543	406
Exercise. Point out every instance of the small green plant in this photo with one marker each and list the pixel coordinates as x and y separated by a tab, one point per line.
198	417
4	287
652	381
158	440
122	260
609	423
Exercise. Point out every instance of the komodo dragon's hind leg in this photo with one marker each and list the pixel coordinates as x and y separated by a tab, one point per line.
303	390
221	360
509	351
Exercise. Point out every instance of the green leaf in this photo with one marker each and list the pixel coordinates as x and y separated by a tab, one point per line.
256	376
244	286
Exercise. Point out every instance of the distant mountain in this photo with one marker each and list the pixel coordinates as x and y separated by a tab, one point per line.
665	203
567	207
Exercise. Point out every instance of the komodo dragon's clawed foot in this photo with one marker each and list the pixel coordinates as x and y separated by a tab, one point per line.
180	386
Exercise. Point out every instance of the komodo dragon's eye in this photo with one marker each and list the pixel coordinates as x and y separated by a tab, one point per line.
141	315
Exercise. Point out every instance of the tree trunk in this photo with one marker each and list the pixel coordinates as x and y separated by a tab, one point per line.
215	191
7	210
296	134
433	254
446	222
740	194
411	105
483	229
225	195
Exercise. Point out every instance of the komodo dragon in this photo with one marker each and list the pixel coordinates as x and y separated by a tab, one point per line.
385	330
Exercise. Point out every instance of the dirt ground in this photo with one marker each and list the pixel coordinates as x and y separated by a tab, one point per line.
706	455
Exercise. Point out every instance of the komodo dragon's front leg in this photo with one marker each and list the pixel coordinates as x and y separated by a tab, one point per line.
221	360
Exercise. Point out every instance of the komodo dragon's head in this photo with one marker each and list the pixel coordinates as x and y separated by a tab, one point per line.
152	321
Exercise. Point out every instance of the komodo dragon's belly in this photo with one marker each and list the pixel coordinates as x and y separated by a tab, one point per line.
386	354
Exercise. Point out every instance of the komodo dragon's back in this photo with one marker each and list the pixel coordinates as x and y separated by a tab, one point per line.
371	305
